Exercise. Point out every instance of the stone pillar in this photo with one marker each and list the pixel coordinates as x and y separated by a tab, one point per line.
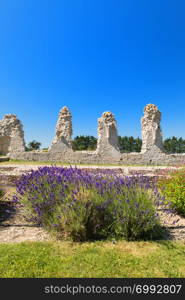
11	135
107	135
151	130
63	128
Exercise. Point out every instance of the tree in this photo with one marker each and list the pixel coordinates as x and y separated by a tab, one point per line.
126	144
174	145
84	143
34	145
129	144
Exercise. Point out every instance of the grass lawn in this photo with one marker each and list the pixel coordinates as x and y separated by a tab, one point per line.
95	259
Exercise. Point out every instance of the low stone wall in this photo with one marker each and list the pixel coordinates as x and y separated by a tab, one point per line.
88	157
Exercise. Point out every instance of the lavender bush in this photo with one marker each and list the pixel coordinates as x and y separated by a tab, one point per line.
84	205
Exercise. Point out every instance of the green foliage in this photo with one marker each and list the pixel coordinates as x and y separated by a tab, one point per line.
174	145
173	188
92	260
84	143
126	144
90	218
129	144
34	145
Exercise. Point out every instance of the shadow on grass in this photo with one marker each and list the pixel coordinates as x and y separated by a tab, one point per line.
169	244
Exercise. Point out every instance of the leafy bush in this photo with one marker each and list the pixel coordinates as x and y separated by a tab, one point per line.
173	188
86	205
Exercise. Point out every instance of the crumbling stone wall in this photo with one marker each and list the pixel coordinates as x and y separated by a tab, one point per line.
151	129
64	128
11	135
107	151
107	144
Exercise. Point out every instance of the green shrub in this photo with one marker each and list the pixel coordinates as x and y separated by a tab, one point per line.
173	188
95	216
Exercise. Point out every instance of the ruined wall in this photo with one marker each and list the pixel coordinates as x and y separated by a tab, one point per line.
151	129
62	142
107	144
107	151
88	157
64	128
11	135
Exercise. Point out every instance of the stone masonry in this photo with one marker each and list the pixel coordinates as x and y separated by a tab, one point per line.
107	151
107	144
64	127
151	130
11	135
62	141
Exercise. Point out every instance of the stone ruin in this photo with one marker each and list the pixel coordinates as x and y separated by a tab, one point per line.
11	135
151	130
107	143
64	127
107	152
64	131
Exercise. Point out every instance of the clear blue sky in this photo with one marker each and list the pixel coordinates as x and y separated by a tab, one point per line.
93	56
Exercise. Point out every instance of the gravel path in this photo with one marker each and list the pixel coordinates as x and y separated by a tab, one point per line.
14	227
18	169
174	224
15	234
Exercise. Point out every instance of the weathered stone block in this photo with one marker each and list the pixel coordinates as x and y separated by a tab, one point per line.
11	135
64	128
151	130
107	144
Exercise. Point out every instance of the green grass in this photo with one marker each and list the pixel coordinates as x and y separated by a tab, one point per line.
96	259
25	162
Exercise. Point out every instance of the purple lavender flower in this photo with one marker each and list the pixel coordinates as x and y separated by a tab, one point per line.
49	190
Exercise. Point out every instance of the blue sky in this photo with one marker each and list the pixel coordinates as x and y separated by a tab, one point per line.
93	56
